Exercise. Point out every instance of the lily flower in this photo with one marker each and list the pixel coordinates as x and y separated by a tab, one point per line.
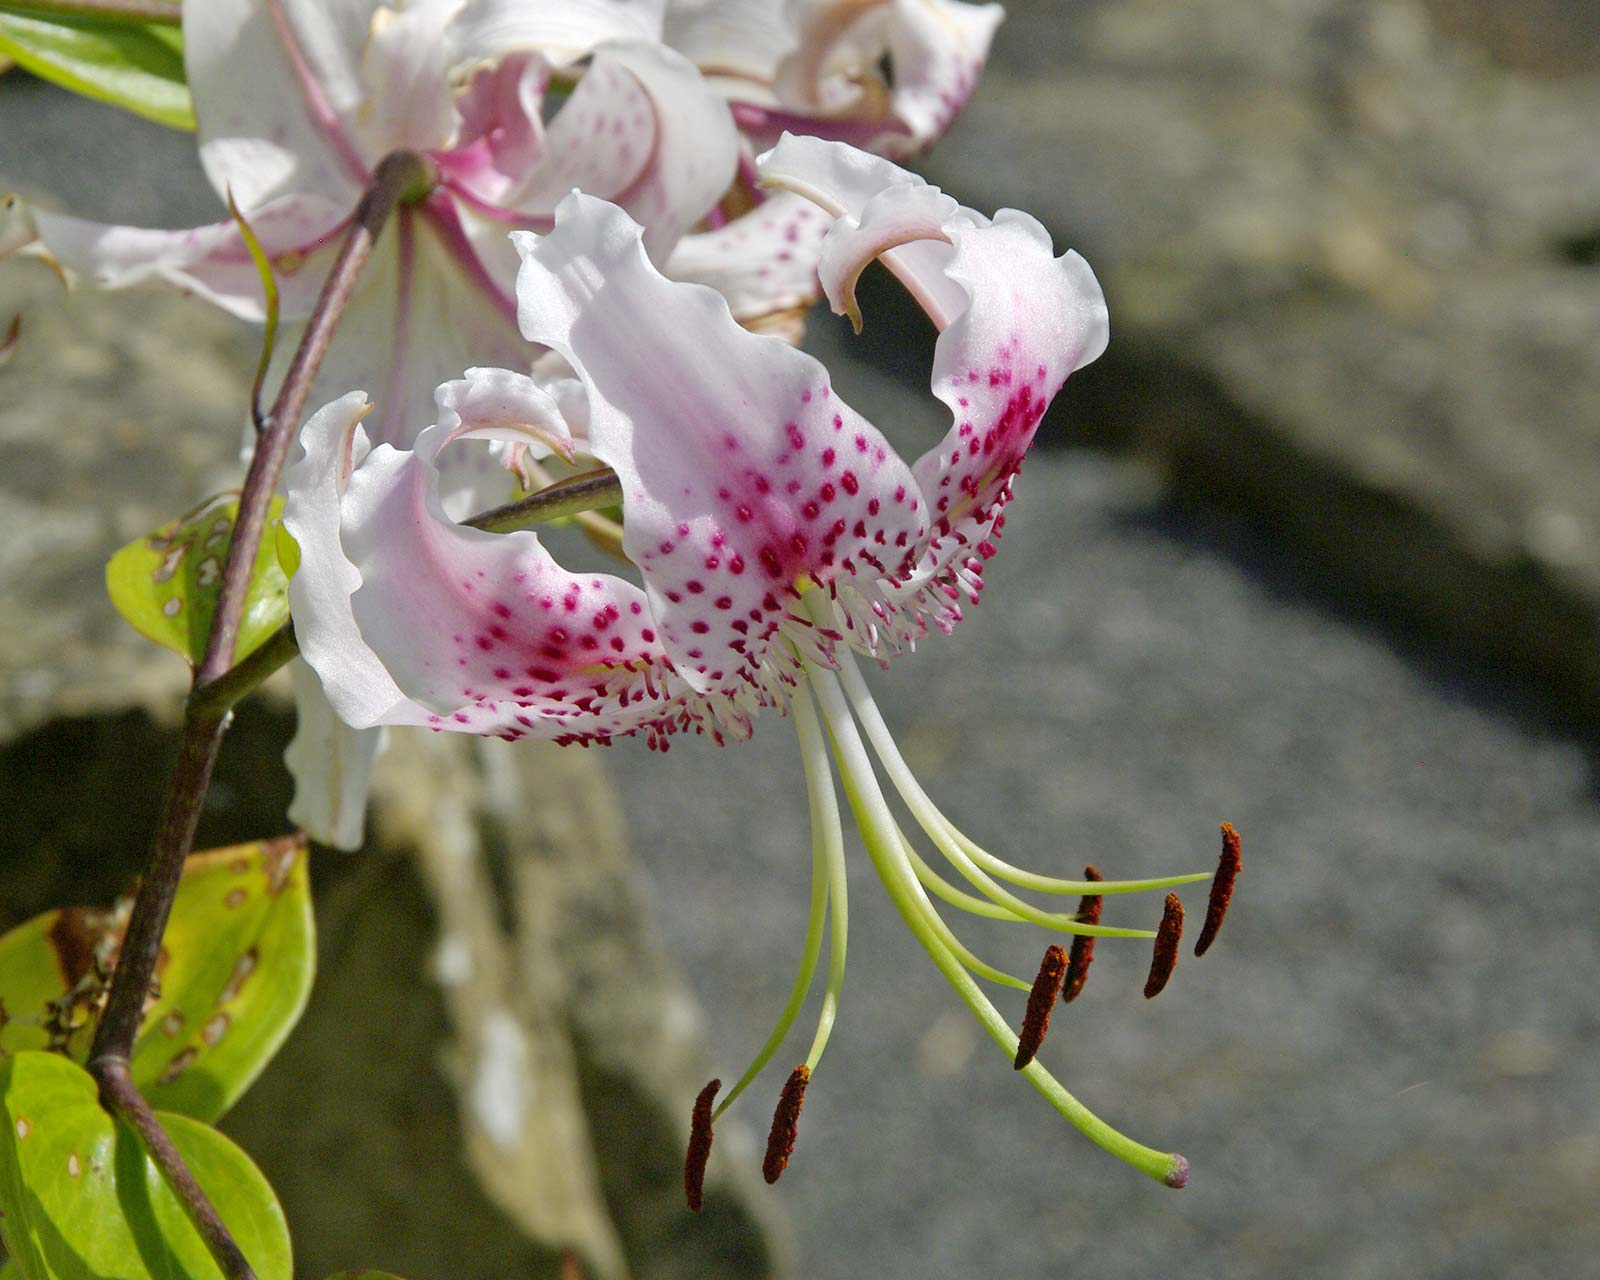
886	75
774	531
296	104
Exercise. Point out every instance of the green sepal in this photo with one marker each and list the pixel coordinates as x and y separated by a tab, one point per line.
136	67
166	583
236	968
82	1202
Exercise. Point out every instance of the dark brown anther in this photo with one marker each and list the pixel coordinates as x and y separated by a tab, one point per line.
1082	944
694	1163
1041	1000
1221	888
1165	958
785	1123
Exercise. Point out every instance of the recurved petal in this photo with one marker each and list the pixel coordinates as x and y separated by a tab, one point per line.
641	129
937	49
563	30
1031	319
696	146
297	232
763	262
277	85
737	44
742	472
409	618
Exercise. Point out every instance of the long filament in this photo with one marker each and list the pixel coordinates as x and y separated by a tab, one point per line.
827	834
964	855
878	832
813	944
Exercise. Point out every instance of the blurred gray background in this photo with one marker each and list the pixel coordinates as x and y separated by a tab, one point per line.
1315	549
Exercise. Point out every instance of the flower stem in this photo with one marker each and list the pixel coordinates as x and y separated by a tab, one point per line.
397	177
121	1096
136	12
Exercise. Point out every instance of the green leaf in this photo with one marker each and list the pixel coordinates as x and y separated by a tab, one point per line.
166	583
139	68
236	969
82	1202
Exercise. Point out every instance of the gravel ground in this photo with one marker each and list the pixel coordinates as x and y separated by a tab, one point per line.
1387	1067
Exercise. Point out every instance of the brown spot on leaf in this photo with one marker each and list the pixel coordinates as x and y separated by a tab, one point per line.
243	967
281	855
240	866
74	1165
172	1025
23	1128
74	940
216	1027
179	1064
235	898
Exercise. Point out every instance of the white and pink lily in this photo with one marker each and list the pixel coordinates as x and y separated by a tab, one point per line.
298	100
774	531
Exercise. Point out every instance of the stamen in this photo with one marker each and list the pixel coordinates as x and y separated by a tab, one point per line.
1165	957
1221	888
694	1162
1083	945
785	1123
879	835
1041	1000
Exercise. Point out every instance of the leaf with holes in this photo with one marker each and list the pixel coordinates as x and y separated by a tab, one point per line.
166	583
134	66
82	1202
233	977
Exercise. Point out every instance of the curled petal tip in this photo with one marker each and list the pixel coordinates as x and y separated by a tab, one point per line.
1178	1175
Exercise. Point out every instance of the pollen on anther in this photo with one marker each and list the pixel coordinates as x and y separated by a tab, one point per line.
1041	1000
1165	956
694	1163
1221	888
1082	944
785	1123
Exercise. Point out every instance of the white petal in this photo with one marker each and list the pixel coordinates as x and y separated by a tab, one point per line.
937	49
762	262
641	129
409	100
331	764
737	44
563	30
409	618
419	320
277	86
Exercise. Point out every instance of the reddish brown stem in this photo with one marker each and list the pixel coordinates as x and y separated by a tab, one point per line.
399	176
